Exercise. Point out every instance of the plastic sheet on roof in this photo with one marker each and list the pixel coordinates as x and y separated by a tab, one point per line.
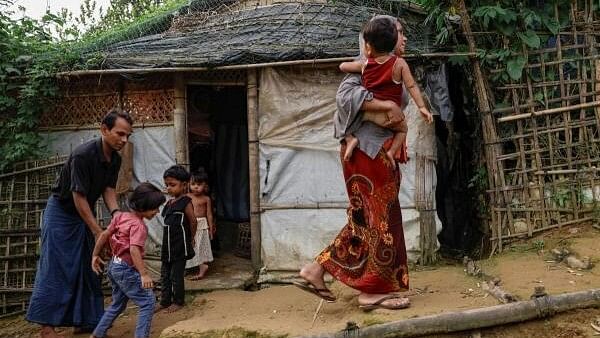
280	32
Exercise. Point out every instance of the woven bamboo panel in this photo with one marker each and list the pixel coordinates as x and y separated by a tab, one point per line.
546	135
80	110
84	101
152	106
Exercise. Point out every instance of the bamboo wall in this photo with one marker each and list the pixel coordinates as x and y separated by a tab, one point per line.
542	148
23	195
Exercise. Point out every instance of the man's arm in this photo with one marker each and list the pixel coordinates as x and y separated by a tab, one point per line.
84	210
97	262
138	262
110	199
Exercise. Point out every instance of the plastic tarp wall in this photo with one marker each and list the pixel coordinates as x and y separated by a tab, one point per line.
153	153
300	167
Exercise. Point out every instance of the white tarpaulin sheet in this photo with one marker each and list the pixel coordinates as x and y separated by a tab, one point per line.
153	153
300	166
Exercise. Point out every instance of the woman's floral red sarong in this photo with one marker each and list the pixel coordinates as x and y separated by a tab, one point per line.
369	253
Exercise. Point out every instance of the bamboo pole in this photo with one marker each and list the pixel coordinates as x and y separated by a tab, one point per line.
180	122
253	159
549	227
536	308
550	111
242	67
95	127
15	172
491	150
546	99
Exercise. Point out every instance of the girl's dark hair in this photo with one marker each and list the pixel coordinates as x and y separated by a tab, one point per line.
146	197
381	34
177	172
199	176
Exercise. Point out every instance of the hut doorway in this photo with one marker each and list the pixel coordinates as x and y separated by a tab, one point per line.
459	178
218	144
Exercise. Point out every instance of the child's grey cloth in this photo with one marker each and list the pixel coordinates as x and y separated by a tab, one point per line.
348	117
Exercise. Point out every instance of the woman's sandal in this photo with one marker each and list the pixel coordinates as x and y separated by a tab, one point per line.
379	304
324	293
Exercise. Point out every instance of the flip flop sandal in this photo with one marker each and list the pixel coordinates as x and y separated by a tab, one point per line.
379	304
321	293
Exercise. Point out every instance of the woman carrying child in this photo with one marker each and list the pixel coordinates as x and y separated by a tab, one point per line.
369	253
126	271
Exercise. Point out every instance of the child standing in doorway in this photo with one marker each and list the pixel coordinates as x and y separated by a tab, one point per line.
177	243
206	227
386	76
127	235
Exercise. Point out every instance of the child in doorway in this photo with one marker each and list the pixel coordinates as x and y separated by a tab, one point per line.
127	235
177	243
206	227
383	74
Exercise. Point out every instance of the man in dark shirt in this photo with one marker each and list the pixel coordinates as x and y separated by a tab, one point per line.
66	291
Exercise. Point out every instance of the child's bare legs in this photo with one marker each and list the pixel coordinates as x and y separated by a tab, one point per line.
202	269
351	143
397	142
399	129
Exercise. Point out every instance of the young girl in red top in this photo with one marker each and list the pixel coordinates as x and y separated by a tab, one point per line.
128	276
383	74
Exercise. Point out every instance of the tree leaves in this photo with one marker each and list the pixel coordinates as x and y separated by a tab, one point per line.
530	38
514	67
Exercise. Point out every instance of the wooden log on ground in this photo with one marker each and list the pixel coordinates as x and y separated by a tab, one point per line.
536	308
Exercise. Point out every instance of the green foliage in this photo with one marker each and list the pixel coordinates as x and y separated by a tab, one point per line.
29	58
530	24
33	51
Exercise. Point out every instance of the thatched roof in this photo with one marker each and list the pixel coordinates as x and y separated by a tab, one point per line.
280	32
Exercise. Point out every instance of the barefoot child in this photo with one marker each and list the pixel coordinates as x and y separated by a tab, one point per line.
206	227
127	234
177	243
383	74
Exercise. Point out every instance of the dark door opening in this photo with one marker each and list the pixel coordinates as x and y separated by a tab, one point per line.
458	138
218	143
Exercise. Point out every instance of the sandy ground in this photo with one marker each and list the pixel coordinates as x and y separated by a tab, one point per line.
287	311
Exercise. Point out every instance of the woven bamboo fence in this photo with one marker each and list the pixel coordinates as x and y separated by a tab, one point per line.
23	195
542	148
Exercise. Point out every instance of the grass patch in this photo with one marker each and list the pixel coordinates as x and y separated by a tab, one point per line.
372	320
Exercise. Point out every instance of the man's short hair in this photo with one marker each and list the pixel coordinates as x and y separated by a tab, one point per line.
381	34
110	118
177	172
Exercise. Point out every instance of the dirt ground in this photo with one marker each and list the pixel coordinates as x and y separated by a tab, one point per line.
280	311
